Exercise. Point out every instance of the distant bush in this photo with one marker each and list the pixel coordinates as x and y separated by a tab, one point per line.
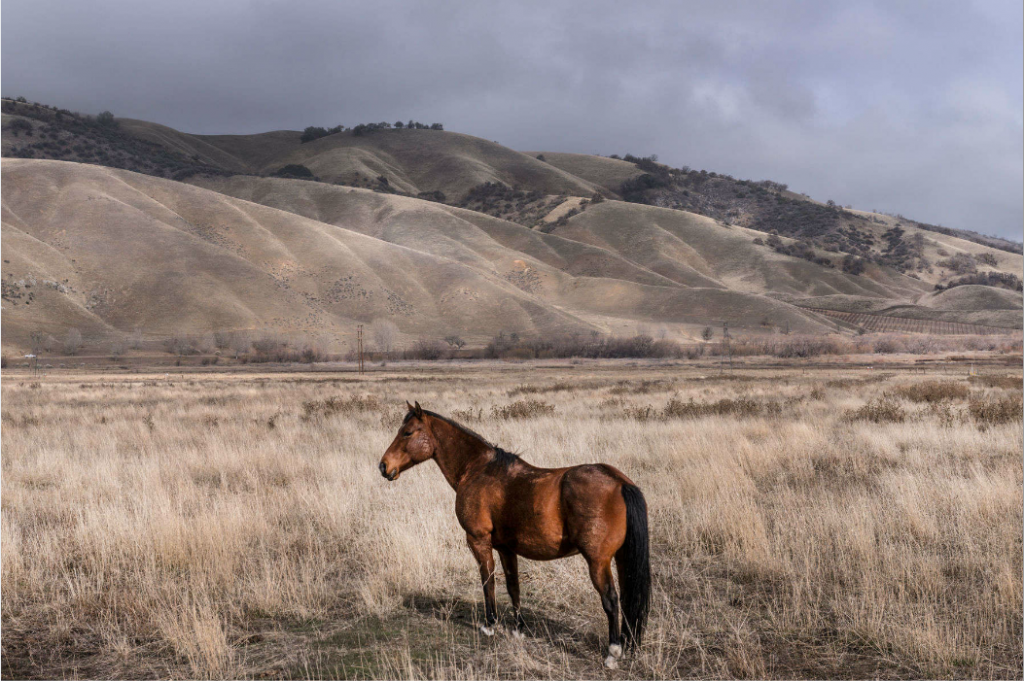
314	132
19	125
740	407
987	259
997	410
523	409
437	196
180	345
994	279
961	263
853	265
882	410
105	119
332	406
933	391
294	170
425	348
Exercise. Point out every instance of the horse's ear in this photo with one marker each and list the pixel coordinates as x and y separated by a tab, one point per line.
411	408
418	410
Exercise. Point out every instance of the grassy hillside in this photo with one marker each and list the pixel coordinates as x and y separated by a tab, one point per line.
421	161
691	249
42	132
127	250
607	173
593	282
768	206
111	250
503	240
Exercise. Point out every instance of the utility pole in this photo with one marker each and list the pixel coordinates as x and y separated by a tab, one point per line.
359	341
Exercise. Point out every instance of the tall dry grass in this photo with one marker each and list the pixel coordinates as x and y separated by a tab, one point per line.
226	526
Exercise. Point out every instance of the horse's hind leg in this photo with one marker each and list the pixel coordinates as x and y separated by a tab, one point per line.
601	576
510	566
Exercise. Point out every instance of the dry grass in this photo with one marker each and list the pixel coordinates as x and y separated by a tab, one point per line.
202	527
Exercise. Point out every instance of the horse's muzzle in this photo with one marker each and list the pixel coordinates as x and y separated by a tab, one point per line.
383	468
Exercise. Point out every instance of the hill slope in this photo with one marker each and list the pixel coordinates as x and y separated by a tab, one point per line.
110	250
538	246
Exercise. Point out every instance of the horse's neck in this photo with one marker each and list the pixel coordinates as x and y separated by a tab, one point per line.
457	451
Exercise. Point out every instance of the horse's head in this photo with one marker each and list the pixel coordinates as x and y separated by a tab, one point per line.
413	444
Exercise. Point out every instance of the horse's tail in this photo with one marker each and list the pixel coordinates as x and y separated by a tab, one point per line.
633	561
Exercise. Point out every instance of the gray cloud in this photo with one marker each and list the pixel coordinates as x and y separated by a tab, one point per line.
913	107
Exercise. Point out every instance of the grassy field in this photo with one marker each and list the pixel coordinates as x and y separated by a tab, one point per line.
827	520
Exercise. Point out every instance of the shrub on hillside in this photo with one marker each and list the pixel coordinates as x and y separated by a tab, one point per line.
987	259
105	119
294	170
961	263
994	279
425	348
853	265
20	125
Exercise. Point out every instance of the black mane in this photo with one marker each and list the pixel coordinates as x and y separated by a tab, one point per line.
501	457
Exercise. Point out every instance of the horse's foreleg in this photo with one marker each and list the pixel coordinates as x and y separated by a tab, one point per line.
510	566
601	576
481	547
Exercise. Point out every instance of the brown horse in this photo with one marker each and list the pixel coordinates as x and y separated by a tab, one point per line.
505	504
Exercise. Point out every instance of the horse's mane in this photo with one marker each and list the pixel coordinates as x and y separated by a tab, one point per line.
501	456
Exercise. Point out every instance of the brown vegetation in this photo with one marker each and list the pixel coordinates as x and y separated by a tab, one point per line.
235	525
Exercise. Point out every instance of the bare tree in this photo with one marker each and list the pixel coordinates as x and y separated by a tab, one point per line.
37	342
707	334
240	342
116	348
385	335
73	342
207	344
455	341
135	339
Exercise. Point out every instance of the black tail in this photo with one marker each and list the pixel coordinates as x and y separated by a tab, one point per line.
633	562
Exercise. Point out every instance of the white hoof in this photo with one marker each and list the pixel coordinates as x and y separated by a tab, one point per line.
610	663
487	631
615	650
518	634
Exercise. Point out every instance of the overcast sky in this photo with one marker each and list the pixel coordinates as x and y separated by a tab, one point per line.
911	107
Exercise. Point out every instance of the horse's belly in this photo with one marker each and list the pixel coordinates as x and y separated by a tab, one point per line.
536	543
544	553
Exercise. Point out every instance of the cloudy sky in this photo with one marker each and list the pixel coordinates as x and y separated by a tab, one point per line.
911	107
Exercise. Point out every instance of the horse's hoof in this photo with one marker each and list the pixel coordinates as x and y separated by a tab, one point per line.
615	650
487	631
610	663
518	634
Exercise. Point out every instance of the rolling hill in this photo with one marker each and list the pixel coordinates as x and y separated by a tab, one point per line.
184	233
109	250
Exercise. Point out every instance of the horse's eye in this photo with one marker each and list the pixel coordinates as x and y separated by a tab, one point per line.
406	434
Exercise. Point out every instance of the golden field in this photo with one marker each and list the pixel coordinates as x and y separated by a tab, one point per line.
837	519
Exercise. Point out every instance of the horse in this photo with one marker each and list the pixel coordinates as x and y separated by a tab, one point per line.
510	506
